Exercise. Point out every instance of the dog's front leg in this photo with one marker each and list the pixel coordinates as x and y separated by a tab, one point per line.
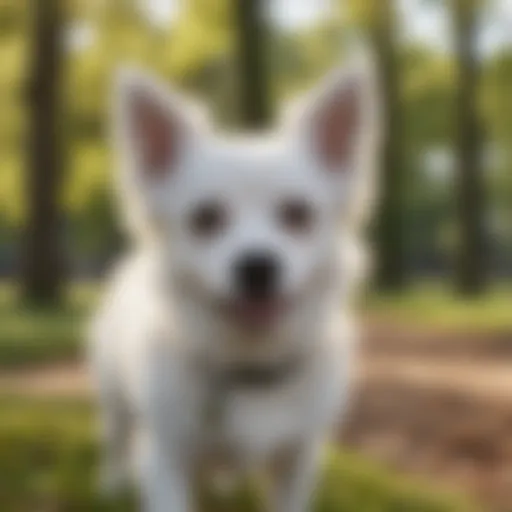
116	428
164	477
295	473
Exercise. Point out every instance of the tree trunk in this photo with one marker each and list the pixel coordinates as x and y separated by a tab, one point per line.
390	236
253	75
470	272
42	265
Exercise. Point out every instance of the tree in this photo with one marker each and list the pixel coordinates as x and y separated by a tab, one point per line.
470	257
42	266
378	20
253	78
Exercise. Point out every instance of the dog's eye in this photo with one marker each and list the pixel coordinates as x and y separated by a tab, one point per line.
296	215
208	219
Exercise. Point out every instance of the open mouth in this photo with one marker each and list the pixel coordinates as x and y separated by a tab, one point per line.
258	314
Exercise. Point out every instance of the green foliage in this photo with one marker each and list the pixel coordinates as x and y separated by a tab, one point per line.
195	53
434	305
37	335
299	58
496	91
202	34
48	461
428	97
13	15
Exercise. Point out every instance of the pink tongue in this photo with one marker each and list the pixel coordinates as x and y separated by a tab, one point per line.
257	312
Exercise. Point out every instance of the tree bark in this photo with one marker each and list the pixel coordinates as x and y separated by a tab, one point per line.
252	61
470	272
390	233
42	261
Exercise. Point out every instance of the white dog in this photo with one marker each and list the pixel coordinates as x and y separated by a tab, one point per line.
224	336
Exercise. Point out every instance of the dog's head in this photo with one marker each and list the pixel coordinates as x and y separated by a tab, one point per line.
250	227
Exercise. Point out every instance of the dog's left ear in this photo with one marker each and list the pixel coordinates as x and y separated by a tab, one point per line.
338	117
339	130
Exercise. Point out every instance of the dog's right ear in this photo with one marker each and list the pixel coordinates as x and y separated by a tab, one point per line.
152	127
154	132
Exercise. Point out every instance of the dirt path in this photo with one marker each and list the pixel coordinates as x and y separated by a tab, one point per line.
441	411
491	381
65	379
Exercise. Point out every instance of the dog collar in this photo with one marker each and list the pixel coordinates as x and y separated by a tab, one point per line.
246	376
259	375
250	374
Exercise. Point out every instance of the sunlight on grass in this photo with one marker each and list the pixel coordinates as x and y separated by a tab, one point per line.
48	458
432	305
38	335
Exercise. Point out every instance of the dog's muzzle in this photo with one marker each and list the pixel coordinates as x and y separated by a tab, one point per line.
256	302
257	276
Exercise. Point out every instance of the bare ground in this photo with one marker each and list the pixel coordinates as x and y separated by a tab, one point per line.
432	404
438	405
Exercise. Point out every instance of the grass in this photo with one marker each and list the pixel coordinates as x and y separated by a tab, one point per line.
434	305
48	458
32	335
47	451
43	335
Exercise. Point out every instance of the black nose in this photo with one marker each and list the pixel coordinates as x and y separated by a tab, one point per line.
256	275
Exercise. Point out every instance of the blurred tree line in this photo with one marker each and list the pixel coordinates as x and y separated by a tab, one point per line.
446	202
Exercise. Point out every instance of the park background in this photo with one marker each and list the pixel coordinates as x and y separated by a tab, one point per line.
431	424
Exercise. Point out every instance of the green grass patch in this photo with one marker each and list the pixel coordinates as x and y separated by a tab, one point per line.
48	460
435	305
35	335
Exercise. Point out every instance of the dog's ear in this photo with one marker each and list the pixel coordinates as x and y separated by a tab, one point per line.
336	119
151	124
154	133
336	124
339	132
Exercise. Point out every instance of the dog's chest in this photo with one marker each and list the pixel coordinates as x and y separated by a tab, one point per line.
248	426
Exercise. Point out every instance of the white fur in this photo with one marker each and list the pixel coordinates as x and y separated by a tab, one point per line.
156	321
